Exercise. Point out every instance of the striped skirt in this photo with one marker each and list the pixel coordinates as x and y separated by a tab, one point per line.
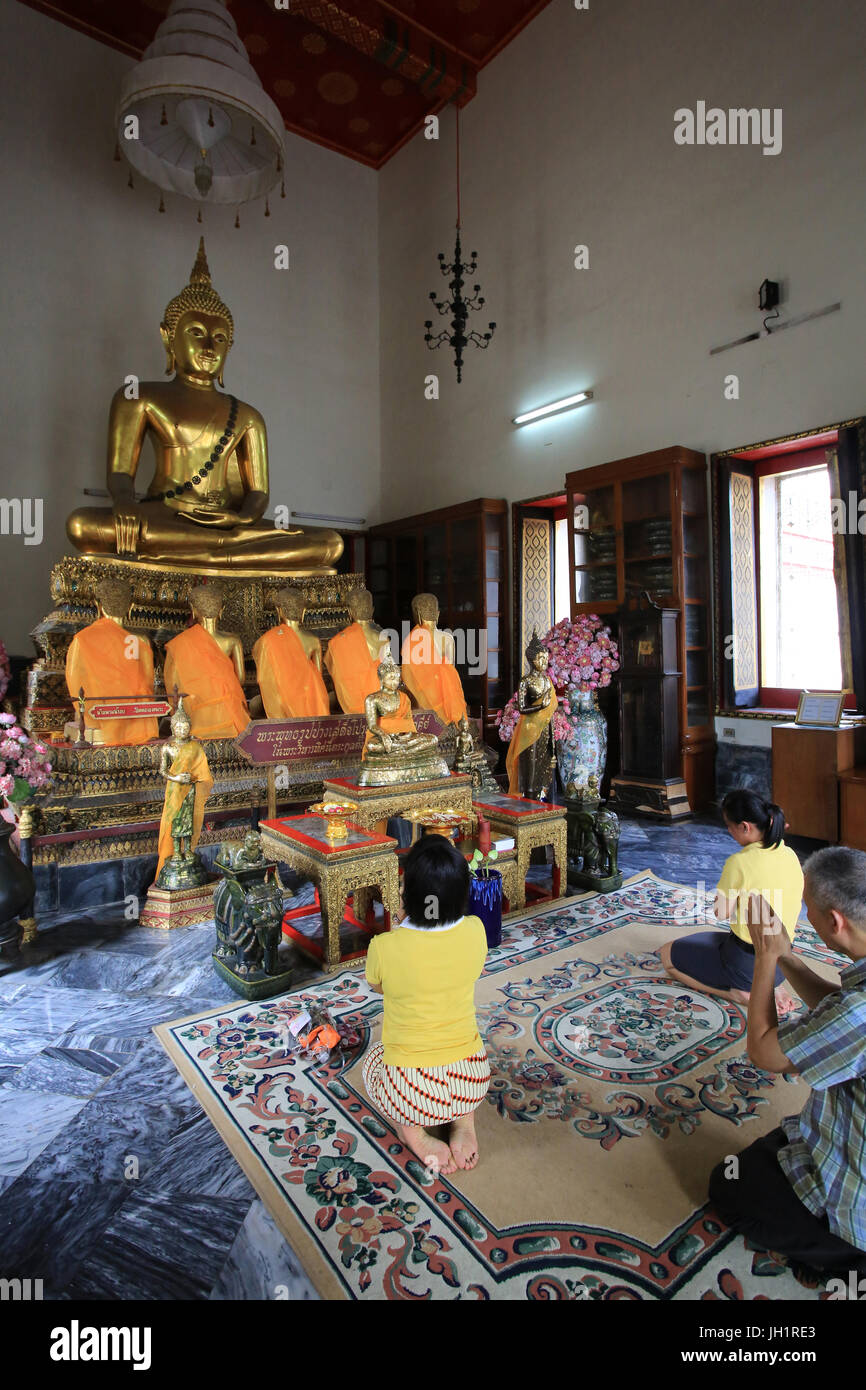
426	1096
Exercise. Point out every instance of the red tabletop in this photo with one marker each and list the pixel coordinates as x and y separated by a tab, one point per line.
513	806
311	832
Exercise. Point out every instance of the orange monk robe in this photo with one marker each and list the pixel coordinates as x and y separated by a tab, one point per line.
213	698
109	662
288	679
529	728
352	669
189	758
399	723
434	683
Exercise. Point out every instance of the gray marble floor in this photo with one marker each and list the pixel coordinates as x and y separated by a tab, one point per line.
113	1184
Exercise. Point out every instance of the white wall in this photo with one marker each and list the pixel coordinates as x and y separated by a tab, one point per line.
88	267
570	140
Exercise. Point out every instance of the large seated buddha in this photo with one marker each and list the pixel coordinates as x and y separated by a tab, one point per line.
204	509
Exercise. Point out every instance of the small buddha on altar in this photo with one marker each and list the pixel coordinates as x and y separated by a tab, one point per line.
353	655
289	663
394	751
108	663
428	663
204	508
207	666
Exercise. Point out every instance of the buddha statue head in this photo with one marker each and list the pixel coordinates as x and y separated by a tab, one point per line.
207	600
425	608
290	604
197	328
537	655
389	673
181	728
114	597
360	605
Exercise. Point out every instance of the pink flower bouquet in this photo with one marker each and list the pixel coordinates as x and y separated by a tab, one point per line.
583	656
24	764
5	671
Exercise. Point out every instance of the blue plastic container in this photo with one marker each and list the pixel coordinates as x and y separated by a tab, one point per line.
485	901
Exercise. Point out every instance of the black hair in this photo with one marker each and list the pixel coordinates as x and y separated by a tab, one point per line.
745	805
435	882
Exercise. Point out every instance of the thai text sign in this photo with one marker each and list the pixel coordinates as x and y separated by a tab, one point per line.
334	736
127	707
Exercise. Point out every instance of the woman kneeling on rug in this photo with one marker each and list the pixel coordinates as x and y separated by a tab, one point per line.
723	962
430	1068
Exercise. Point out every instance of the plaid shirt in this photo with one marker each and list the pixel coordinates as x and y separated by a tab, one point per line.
825	1158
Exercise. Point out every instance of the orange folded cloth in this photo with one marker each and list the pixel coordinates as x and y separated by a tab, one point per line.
291	686
109	662
352	669
213	698
435	684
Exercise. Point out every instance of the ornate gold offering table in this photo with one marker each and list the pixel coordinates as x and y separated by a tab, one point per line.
379	804
533	824
338	867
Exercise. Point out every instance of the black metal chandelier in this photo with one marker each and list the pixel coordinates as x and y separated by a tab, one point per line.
459	306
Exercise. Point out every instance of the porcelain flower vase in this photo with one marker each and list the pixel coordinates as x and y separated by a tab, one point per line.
586	745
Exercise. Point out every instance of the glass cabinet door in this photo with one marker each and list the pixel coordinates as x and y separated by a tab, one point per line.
648	537
595	547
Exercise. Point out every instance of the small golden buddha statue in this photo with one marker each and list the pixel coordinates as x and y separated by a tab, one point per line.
107	663
289	663
207	666
428	663
205	505
531	757
188	780
394	751
353	655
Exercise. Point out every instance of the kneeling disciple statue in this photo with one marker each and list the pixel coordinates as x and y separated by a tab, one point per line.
394	751
107	663
289	664
207	666
188	784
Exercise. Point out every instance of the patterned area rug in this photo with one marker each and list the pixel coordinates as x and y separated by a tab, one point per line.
614	1093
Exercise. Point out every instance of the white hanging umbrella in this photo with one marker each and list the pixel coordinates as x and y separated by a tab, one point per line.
203	124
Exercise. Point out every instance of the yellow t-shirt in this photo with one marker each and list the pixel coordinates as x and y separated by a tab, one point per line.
774	873
428	979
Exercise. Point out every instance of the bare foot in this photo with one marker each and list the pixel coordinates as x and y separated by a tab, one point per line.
464	1142
436	1156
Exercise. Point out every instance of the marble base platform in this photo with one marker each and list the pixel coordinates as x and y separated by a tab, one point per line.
177	907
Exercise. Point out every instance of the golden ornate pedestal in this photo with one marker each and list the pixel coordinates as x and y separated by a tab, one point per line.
180	907
534	825
379	804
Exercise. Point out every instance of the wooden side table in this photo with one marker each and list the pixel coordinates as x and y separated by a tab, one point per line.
533	825
337	867
852	807
378	804
807	762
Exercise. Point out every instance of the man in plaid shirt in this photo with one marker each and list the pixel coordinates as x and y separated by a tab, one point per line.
801	1190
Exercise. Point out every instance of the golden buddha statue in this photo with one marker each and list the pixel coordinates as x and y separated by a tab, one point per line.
204	509
107	663
188	784
428	663
394	751
531	757
289	664
353	655
207	667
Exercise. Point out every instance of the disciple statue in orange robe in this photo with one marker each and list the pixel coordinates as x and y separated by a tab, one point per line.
207	667
354	654
531	757
289	664
188	785
429	672
108	662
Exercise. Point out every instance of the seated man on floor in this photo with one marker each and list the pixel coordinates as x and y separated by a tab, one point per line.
801	1190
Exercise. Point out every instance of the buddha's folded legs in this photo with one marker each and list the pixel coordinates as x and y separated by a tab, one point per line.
176	540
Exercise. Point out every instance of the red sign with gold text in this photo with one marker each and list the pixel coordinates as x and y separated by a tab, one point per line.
334	736
129	708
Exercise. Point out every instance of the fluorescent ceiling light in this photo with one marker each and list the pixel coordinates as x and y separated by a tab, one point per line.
567	403
331	520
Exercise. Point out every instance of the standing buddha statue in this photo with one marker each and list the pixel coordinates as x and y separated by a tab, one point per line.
204	508
531	756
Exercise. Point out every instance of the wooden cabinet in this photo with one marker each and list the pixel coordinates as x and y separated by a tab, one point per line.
459	554
650	776
638	526
852	808
807	762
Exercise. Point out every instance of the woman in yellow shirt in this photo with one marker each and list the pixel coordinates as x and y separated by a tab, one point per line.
430	1068
723	962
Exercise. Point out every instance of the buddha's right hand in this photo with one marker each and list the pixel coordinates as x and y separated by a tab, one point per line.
127	526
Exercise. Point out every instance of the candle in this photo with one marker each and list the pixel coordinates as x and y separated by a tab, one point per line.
483	835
